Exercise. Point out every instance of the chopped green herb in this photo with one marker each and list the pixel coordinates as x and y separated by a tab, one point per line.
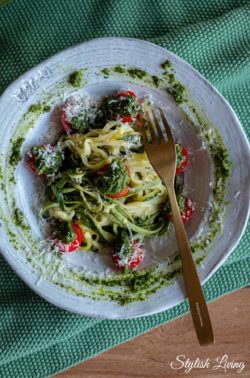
18	218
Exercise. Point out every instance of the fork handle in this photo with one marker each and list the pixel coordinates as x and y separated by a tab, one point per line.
198	306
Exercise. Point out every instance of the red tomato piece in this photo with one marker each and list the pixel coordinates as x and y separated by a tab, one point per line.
184	163
139	256
125	119
119	195
70	247
103	170
32	160
126	94
186	213
31	163
65	124
136	257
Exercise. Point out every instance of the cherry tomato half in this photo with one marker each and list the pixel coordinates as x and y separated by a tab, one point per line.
72	246
126	94
184	163
136	257
65	124
103	170
186	213
31	163
127	119
32	160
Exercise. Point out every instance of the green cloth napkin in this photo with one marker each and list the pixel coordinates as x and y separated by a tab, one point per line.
36	338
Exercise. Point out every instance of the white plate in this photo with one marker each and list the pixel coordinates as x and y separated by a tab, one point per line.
95	55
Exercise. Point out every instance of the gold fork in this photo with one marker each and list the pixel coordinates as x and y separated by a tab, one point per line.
161	153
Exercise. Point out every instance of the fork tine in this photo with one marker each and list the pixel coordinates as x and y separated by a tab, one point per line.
150	126
142	129
166	126
160	134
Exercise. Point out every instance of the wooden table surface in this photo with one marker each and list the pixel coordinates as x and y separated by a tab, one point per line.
150	355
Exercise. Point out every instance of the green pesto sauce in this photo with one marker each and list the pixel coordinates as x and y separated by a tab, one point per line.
219	152
38	109
156	80
119	69
18	218
135	73
223	168
34	111
178	91
167	65
135	286
105	72
1	172
174	87
167	79
76	79
16	151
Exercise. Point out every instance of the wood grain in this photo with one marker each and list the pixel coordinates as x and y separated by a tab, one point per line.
150	355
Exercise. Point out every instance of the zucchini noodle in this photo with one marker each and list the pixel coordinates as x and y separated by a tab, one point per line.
77	197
